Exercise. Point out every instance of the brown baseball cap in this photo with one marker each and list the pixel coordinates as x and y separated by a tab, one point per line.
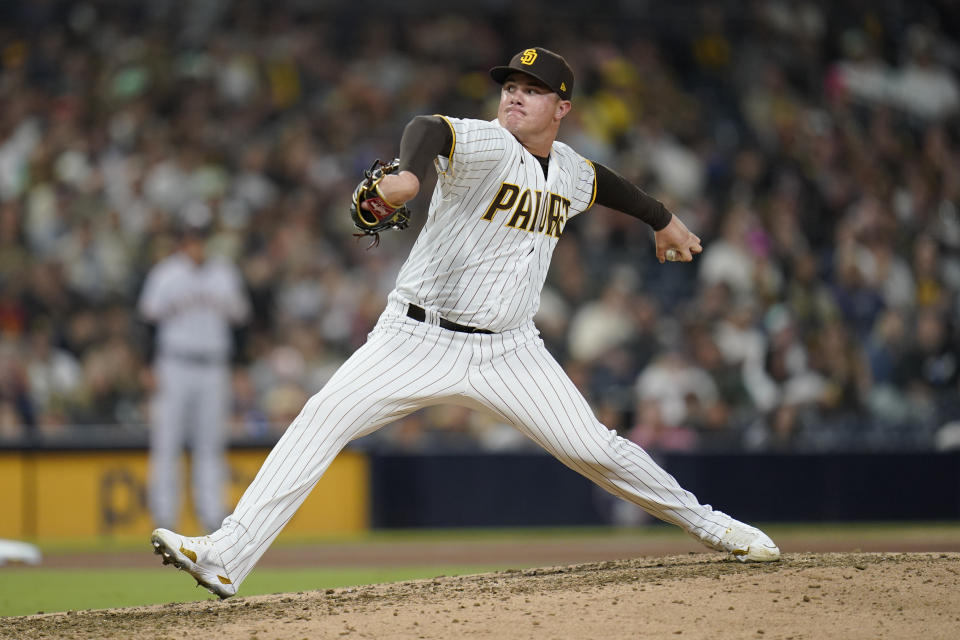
544	65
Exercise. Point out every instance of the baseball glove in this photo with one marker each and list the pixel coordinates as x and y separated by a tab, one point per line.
379	215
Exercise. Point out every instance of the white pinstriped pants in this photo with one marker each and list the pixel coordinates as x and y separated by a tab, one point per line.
406	365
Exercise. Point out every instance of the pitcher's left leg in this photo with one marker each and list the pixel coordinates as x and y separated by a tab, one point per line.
403	366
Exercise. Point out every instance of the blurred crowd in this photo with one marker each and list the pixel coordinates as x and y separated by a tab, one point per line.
815	149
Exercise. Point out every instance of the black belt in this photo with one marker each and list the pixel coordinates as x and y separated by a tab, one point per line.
417	313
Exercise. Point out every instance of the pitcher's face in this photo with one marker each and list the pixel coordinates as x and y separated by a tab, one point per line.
528	108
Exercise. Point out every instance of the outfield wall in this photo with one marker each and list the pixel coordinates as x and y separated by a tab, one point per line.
81	493
503	490
91	493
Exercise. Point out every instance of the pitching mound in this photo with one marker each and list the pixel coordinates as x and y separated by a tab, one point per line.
811	595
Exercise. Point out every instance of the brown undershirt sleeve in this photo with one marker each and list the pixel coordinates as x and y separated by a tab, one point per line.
616	192
424	138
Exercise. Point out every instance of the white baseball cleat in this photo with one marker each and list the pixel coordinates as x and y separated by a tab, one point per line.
748	544
196	556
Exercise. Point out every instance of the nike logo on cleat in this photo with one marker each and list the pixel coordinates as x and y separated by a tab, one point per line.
189	554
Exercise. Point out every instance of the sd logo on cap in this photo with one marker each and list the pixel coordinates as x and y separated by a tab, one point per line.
544	65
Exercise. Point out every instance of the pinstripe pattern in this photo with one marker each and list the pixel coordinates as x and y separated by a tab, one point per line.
401	368
406	365
524	386
480	272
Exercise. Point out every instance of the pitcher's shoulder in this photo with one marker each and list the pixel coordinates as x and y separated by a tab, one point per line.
567	154
472	123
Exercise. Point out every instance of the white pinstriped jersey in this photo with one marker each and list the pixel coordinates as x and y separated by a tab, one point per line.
481	260
494	220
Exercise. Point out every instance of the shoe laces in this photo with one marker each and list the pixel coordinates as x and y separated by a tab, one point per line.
202	541
206	551
740	536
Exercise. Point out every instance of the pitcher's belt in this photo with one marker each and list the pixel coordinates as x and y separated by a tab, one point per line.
417	313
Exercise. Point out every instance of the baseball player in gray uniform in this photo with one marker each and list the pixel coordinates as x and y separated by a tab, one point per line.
192	300
458	327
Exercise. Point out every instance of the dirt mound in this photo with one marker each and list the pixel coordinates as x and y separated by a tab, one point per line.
837	595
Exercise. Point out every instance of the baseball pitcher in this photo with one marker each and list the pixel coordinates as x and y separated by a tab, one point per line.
458	327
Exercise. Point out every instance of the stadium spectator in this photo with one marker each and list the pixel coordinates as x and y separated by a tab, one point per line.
814	149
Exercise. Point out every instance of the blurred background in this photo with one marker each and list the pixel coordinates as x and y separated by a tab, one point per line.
814	147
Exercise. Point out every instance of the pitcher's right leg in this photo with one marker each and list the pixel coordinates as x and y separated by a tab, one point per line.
526	387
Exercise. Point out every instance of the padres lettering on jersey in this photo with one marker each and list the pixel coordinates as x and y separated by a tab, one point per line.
473	263
527	215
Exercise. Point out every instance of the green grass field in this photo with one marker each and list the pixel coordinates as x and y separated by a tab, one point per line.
25	591
29	590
